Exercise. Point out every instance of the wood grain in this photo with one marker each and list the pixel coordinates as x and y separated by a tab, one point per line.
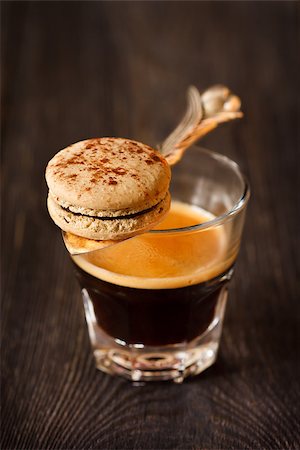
83	69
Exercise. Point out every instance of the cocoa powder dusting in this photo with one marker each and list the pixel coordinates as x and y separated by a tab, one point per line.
119	171
155	157
98	158
112	181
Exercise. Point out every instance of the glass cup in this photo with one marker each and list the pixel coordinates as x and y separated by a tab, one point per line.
165	324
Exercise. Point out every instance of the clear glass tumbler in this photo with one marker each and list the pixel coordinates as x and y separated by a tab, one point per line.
155	303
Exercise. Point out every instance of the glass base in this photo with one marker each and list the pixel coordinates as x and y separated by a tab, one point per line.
137	362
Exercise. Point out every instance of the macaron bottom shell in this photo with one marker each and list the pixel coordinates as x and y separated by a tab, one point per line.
103	229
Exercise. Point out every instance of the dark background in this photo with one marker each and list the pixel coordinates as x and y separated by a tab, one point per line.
76	70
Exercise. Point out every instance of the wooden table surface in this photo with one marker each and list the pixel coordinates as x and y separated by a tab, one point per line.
77	70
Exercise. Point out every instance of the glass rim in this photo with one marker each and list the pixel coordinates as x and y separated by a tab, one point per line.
222	218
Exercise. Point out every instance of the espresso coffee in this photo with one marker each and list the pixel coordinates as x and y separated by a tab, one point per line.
159	288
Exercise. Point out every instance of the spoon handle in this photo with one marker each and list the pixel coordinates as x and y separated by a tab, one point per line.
204	113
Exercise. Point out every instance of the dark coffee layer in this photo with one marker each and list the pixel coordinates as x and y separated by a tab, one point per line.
152	316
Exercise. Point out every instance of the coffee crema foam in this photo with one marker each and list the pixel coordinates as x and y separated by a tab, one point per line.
164	261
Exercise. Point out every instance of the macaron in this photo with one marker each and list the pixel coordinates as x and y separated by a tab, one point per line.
108	188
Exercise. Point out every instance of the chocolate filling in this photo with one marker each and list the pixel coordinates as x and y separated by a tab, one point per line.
128	216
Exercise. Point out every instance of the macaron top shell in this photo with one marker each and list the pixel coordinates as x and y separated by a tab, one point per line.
108	175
